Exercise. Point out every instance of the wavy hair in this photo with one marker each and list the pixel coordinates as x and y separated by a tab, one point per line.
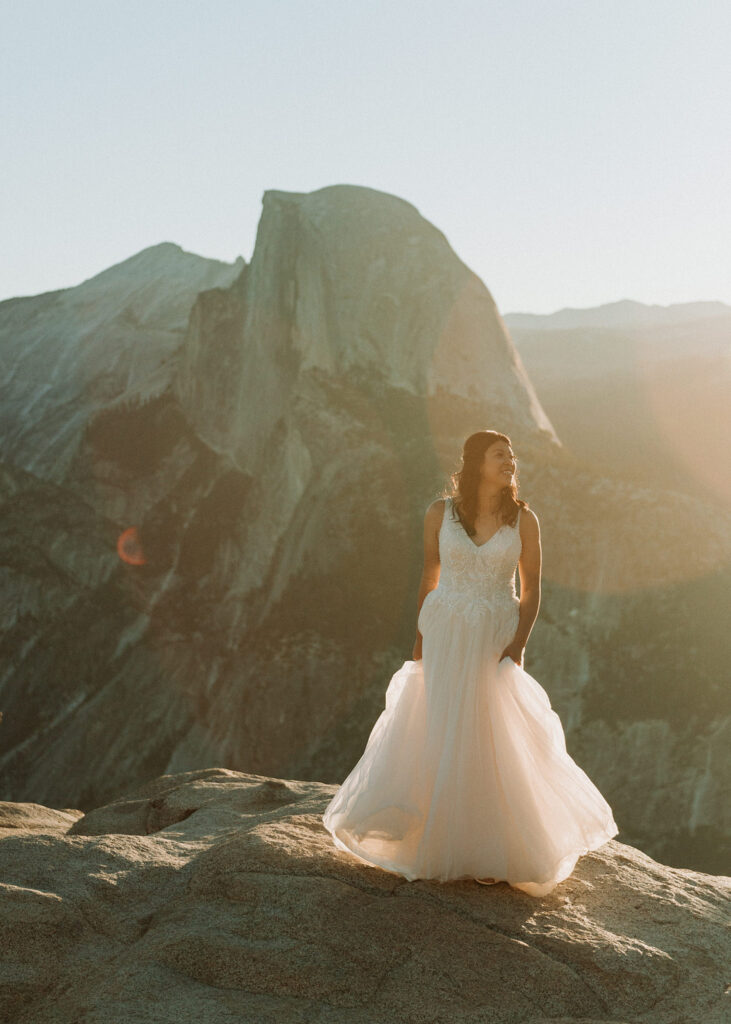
466	480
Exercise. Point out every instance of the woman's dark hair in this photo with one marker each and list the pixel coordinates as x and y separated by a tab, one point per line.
466	480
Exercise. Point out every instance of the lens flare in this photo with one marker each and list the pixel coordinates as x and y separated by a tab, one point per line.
129	547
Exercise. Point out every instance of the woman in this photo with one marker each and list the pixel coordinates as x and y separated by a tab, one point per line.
466	774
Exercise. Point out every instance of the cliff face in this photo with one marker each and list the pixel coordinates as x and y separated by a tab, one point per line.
108	341
345	282
220	895
274	459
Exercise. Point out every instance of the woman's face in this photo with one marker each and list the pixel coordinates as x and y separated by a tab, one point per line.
498	464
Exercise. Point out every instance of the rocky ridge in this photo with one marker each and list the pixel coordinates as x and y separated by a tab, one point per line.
219	895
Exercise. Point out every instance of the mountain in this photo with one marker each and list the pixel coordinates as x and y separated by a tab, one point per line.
70	353
213	532
638	391
623	315
219	895
353	287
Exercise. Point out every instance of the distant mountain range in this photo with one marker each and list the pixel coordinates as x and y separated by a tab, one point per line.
638	391
620	315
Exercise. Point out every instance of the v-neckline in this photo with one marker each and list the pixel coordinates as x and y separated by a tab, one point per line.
484	544
477	547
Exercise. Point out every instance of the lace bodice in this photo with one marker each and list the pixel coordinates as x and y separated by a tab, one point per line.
475	578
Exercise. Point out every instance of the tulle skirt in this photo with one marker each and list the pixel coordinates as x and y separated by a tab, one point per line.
465	773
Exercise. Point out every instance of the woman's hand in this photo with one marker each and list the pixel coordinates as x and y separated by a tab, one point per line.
515	651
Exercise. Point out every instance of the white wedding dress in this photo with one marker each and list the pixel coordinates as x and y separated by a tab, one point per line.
465	773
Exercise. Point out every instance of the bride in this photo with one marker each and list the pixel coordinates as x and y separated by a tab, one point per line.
465	773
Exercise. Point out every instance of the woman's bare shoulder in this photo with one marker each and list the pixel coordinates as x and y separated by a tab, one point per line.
435	512
437	508
529	519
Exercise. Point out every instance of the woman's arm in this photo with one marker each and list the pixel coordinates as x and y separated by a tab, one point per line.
432	564
529	569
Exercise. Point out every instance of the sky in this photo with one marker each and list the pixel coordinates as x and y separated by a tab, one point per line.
573	153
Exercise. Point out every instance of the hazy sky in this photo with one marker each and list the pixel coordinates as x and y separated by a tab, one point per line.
572	153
